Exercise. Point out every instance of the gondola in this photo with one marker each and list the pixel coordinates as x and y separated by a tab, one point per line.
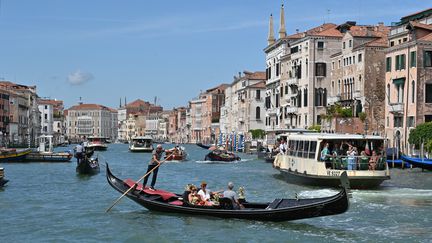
278	210
423	163
203	145
397	163
3	181
176	153
88	165
220	155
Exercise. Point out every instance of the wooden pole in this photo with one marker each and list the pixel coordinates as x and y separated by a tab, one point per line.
124	194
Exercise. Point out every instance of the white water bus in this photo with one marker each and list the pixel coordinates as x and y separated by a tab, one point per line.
303	162
96	143
141	144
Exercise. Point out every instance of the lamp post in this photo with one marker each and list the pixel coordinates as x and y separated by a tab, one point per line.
366	127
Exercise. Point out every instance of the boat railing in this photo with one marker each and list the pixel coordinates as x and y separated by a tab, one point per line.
356	163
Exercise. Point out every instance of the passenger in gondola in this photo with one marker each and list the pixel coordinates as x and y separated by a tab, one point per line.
195	198
229	193
206	194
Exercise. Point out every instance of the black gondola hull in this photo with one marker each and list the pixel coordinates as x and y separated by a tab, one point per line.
203	145
215	157
3	182
298	209
88	167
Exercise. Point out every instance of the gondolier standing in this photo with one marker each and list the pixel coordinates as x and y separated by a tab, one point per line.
156	159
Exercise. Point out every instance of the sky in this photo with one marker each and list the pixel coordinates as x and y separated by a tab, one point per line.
106	50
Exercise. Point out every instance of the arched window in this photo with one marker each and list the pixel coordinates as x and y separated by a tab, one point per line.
412	91
305	94
258	113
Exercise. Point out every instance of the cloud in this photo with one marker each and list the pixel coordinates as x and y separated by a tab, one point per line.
79	77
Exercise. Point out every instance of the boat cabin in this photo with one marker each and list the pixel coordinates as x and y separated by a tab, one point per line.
45	143
145	141
338	151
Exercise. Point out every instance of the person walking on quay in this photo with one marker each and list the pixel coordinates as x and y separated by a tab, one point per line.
155	161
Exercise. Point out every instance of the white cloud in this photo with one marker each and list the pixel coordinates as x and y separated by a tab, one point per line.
79	77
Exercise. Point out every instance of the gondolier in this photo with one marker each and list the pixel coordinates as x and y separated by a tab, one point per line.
155	161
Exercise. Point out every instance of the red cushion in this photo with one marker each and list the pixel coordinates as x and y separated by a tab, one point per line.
164	194
178	203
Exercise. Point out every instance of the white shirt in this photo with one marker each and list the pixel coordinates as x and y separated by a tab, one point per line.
79	148
204	195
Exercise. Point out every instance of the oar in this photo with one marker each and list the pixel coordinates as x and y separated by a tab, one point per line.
124	194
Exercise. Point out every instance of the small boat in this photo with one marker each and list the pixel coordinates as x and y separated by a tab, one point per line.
176	153
45	153
97	143
423	163
277	210
203	145
88	165
141	144
3	181
397	163
221	155
13	155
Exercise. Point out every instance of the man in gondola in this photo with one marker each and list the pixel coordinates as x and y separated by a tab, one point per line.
154	162
79	149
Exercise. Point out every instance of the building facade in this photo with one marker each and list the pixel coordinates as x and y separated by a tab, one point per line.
408	77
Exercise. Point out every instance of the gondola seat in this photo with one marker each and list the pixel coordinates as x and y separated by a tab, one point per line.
226	203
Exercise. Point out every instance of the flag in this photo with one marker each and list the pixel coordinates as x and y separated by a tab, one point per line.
367	150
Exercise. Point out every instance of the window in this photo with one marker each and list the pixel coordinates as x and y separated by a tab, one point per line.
388	93
412	91
428	93
391	43
267	102
277	100
413	58
428	118
277	69
333	65
46	116
360	57
294	49
320	44
400	62
258	94
320	69
343	45
258	113
350	43
388	64
312	149
398	121
428	58
286	89
305	149
305	101
411	122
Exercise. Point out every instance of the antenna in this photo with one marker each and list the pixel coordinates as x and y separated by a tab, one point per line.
328	16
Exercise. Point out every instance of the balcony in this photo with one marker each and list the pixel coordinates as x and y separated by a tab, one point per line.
333	99
291	110
292	81
272	111
397	108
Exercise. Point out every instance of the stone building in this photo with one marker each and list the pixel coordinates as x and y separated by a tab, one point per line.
357	78
408	77
85	120
24	119
244	105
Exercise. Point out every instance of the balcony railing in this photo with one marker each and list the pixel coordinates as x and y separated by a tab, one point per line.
333	99
293	81
272	112
396	107
291	110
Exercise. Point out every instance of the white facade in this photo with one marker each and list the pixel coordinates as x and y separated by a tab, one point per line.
47	119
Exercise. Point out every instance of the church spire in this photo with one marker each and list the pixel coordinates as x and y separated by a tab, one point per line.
282	31
271	38
120	103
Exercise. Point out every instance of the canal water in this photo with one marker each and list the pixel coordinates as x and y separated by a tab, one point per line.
49	202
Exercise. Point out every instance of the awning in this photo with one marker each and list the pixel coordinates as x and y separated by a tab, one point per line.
399	81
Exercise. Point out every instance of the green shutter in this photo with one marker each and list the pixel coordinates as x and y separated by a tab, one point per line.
413	59
399	81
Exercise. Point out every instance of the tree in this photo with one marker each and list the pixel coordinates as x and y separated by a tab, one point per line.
257	133
422	134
